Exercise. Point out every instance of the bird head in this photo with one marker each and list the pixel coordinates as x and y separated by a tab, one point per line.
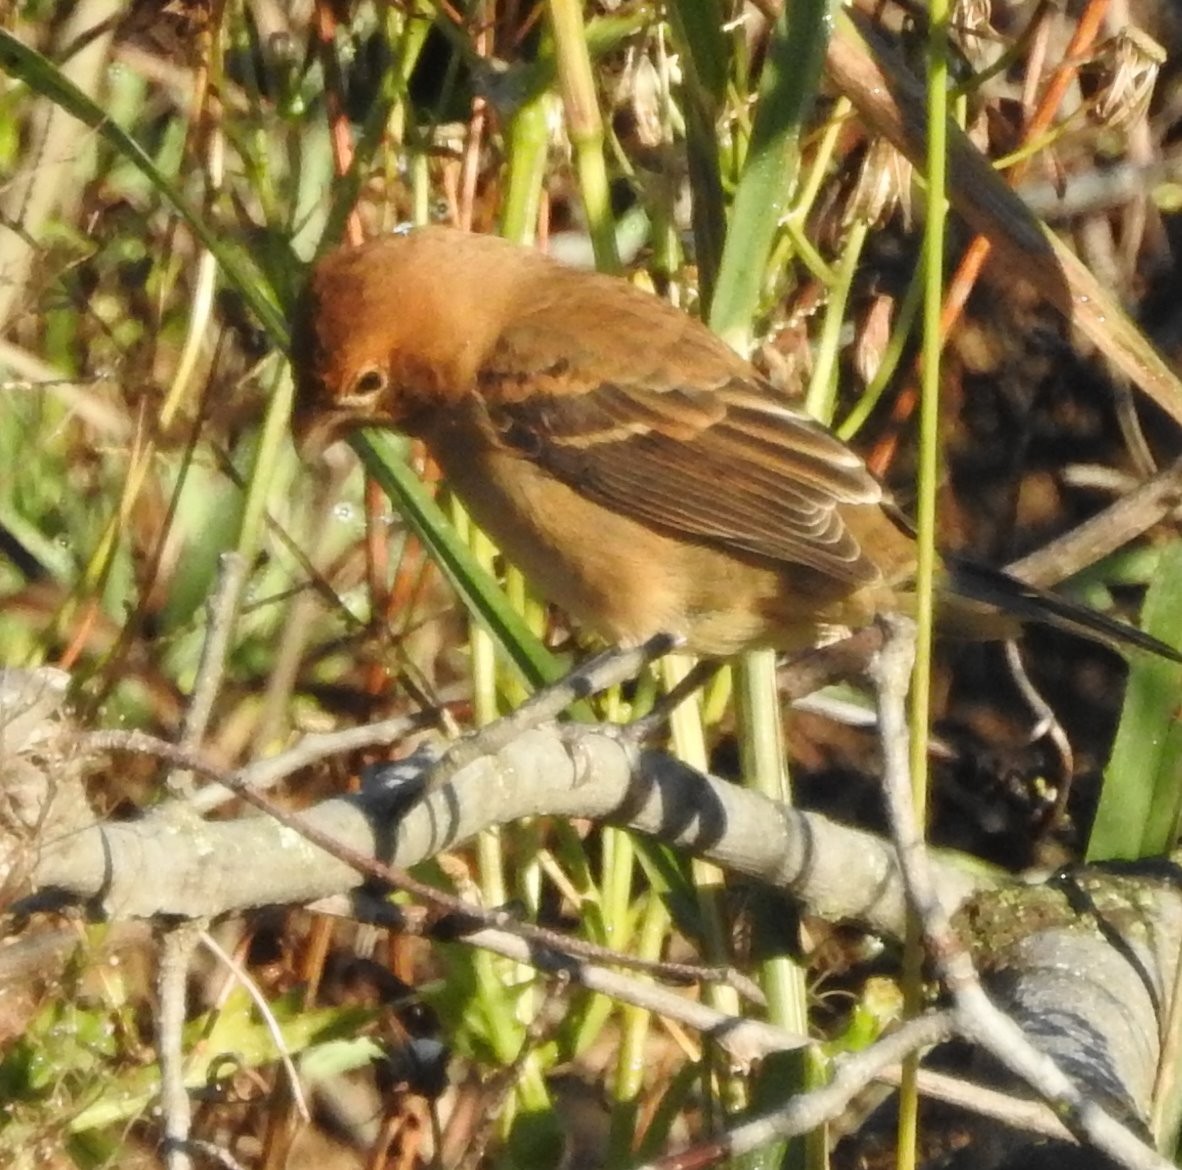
390	333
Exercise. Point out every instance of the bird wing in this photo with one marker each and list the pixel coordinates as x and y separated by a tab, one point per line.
713	453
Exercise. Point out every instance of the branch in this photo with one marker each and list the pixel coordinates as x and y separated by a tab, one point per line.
146	868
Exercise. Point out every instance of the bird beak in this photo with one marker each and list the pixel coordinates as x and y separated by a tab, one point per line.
315	430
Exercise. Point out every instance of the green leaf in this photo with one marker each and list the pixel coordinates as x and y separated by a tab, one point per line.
335	1057
237	1040
1141	802
787	87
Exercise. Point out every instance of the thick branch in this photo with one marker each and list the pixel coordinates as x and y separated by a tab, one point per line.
154	866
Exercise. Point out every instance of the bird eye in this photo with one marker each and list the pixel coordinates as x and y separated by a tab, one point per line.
369	382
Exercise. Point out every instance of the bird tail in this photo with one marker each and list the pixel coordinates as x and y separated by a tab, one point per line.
1027	603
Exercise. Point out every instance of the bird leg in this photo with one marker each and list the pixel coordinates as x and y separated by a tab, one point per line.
797	676
807	672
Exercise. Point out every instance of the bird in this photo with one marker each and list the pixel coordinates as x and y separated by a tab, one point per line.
643	475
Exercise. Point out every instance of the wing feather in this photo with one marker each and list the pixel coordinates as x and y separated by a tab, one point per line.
729	462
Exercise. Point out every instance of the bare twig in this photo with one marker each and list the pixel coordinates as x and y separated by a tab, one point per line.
809	1110
176	949
242	977
977	1017
222	608
1129	517
265	774
605	670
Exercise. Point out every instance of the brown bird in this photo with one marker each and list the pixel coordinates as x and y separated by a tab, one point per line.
644	477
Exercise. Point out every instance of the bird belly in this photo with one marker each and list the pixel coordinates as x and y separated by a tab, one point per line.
606	571
627	581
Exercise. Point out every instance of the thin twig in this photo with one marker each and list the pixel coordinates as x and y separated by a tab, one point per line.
265	774
222	608
1046	726
605	670
977	1017
242	977
809	1110
176	949
216	1154
1104	533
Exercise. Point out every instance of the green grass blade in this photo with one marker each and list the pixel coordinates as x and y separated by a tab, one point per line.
786	90
1141	802
698	31
787	86
44	78
528	143
584	123
477	590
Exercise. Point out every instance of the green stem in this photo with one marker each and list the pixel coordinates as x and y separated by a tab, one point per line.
585	126
928	478
786	89
821	399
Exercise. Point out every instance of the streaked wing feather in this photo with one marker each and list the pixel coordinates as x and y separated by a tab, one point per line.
732	464
666	488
